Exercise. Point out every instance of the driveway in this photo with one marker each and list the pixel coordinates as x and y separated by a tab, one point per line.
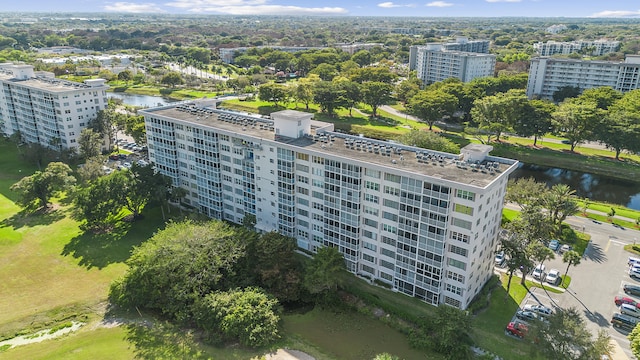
597	279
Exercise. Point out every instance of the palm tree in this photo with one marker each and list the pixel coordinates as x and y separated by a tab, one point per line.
570	257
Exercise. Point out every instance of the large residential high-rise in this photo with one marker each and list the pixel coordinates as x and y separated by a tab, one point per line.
547	75
595	47
463	59
45	110
423	221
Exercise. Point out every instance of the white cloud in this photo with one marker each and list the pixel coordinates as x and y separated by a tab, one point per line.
133	7
508	1
439	4
617	13
390	4
251	7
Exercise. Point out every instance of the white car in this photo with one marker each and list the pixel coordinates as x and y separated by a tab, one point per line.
538	272
634	272
553	277
542	310
500	258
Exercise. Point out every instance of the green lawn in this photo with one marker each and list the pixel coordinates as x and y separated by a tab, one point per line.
489	325
351	335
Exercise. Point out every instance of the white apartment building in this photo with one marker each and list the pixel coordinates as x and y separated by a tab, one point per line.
422	221
461	44
547	75
433	63
46	110
596	47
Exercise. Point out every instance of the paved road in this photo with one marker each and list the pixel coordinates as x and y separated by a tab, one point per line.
597	279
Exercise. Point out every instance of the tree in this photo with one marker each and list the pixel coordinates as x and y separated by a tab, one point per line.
560	202
513	246
137	186
303	90
566	92
329	96
576	120
406	89
89	143
525	192
604	96
172	78
429	140
432	106
97	204
326	72
571	257
134	127
248	315
564	335
447	332
621	127
323	274
276	267
273	92
536	119
352	92
634	339
92	169
495	114
179	265
374	74
34	191
362	58
125	75
376	93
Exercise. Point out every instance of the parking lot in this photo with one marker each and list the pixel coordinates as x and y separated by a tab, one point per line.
598	278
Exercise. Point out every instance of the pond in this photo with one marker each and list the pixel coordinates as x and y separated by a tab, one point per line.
141	100
595	187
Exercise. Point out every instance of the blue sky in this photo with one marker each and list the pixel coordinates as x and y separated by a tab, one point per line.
436	8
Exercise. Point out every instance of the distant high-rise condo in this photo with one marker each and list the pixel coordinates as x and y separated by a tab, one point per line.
45	110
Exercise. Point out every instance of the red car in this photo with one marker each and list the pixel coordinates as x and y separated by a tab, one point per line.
619	300
517	329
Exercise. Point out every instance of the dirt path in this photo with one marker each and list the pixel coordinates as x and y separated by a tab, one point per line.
287	354
41	335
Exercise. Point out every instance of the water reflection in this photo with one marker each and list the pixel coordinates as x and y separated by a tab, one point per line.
596	187
141	100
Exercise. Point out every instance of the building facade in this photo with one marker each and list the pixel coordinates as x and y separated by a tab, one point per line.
595	48
45	110
434	63
422	221
461	44
547	75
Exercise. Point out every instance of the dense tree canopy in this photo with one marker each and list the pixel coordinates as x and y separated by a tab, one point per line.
36	190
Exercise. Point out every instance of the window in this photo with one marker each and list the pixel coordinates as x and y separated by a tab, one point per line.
388	253
370	222
371	198
392	177
458	236
461	223
467	195
303	157
390	203
455	276
452	302
454	289
389	228
303	179
391	190
387	264
458	250
370	210
369	258
372	186
372	173
390	216
457	264
467	210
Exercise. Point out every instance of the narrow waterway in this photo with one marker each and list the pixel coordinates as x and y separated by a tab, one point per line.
586	185
141	100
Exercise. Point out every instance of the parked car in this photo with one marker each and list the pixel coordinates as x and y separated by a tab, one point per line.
127	165
631	289
630	310
564	248
618	300
553	277
142	162
542	310
517	329
634	273
499	258
554	245
633	261
625	322
526	315
538	272
114	157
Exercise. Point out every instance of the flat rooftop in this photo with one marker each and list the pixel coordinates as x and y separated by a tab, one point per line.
441	165
48	84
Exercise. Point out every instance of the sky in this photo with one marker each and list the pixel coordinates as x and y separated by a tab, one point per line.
427	8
